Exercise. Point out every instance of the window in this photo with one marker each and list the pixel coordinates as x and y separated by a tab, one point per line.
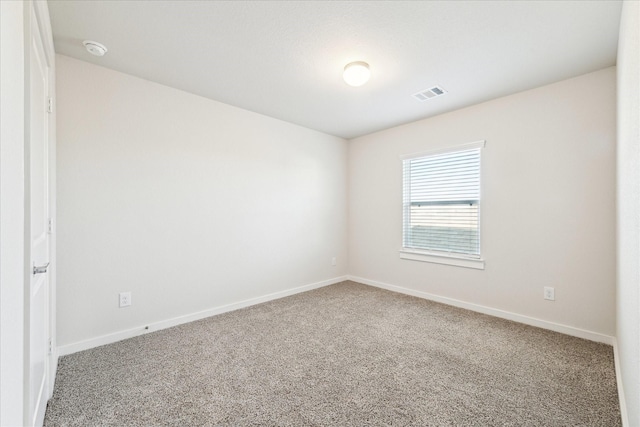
441	203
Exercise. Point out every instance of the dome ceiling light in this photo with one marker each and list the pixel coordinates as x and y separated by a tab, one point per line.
356	73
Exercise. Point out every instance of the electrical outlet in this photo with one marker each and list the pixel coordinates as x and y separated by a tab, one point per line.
333	261
549	293
125	299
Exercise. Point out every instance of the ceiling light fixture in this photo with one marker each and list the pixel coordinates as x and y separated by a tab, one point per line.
356	73
95	48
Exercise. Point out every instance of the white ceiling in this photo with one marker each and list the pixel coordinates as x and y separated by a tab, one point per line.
284	59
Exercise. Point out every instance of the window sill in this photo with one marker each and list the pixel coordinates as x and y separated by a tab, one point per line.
478	264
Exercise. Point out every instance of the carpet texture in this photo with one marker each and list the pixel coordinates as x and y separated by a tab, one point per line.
343	355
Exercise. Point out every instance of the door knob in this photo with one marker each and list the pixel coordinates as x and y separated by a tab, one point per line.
40	269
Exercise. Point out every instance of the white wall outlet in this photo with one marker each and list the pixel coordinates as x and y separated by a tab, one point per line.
549	293
125	299
333	261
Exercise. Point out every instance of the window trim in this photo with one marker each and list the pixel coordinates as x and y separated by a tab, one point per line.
442	258
459	260
461	147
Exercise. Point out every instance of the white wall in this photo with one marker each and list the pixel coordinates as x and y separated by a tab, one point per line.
628	302
12	141
188	203
548	203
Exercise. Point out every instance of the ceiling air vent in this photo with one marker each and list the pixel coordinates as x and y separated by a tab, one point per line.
430	93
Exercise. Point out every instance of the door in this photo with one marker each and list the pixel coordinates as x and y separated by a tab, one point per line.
39	237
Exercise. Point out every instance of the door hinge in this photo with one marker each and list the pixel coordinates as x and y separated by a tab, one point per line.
49	105
50	226
50	346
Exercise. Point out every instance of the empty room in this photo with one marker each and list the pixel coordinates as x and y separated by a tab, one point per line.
320	213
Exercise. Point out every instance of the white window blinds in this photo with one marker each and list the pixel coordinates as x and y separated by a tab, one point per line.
441	202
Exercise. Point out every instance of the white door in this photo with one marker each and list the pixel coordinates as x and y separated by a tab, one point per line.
39	243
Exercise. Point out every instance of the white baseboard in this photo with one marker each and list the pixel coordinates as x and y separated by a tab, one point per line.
53	373
623	402
164	324
532	321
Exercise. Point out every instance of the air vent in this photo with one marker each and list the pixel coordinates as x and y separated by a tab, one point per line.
430	93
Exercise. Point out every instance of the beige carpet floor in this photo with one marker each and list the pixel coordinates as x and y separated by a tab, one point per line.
343	355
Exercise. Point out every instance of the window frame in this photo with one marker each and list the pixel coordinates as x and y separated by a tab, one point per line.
442	257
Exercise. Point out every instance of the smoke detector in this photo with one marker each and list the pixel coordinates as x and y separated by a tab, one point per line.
95	48
427	94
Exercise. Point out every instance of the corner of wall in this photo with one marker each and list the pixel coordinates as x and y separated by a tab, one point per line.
628	214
